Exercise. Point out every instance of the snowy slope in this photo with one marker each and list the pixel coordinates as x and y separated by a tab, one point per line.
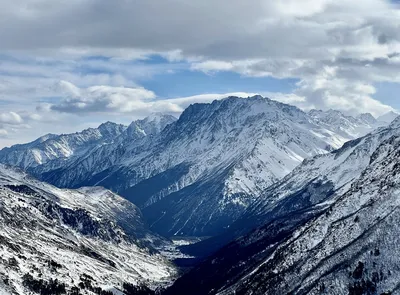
197	175
89	236
344	244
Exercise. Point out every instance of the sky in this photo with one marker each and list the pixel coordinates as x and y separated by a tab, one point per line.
69	65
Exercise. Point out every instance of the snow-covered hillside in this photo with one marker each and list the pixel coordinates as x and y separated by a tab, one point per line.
81	241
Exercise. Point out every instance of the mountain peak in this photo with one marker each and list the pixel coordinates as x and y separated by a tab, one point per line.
111	129
367	118
258	96
254	97
159	120
152	124
108	124
321	113
157	116
388	117
41	139
396	122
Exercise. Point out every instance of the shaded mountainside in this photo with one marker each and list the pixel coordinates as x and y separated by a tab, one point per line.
195	176
86	241
346	244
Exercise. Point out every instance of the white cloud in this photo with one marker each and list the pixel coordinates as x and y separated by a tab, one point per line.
101	99
212	65
282	39
289	98
10	118
134	101
3	132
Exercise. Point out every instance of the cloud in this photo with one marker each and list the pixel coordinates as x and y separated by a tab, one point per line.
212	65
124	100
101	99
124	25
289	98
328	91
10	118
337	51
3	132
11	123
358	41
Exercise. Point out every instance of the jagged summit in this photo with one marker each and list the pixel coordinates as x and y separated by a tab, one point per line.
345	125
368	118
110	126
155	123
150	125
159	116
46	137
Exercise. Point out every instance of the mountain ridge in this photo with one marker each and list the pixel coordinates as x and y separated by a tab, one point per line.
231	149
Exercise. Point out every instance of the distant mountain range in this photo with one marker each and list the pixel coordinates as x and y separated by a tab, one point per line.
196	175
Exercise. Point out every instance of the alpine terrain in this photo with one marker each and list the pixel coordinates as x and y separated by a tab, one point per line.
196	175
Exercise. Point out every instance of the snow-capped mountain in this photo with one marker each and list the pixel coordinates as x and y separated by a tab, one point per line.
59	148
332	228
347	126
388	117
86	241
198	174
